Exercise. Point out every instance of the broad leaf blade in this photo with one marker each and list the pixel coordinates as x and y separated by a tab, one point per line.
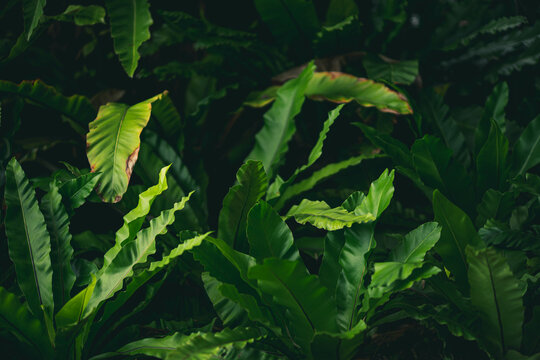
130	27
457	232
322	216
33	11
268	234
29	243
310	305
57	221
496	293
252	185
113	145
75	191
271	143
379	196
395	71
527	149
491	164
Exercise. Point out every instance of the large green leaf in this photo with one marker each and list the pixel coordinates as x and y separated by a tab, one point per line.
132	253
75	191
338	346
353	264
271	142
130	27
134	219
16	318
57	221
321	215
493	111
29	243
252	185
310	306
379	195
113	145
491	165
196	346
230	312
75	107
497	294
407	256
457	232
32	11
73	311
290	21
527	149
318	176
343	88
268	235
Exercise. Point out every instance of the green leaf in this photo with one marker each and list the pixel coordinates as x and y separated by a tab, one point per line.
169	120
527	149
339	10
497	294
339	346
343	88
16	318
457	232
271	142
317	177
379	196
32	11
491	165
252	185
132	253
279	186
290	21
322	216
433	163
494	205
144	276
407	256
57	221
268	235
76	107
353	266
394	71
196	346
134	219
230	313
82	15
73	311
130	27
310	306
113	145
75	191
29	244
493	111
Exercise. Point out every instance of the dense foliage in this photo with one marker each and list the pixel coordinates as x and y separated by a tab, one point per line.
270	179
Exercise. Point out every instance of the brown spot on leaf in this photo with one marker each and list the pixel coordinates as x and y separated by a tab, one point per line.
131	160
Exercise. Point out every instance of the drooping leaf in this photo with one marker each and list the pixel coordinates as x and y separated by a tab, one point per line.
322	216
395	71
16	318
271	142
527	149
29	244
379	195
132	253
457	232
32	11
291	21
353	263
310	305
76	107
318	176
57	221
130	27
196	346
496	293
252	185
113	145
491	164
343	88
268	235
